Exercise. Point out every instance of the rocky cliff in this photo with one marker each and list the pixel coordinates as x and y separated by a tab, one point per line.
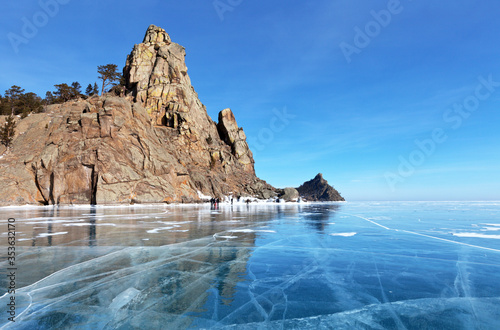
157	144
318	189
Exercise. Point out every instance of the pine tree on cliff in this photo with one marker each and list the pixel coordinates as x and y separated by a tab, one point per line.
63	93
29	102
108	75
17	102
13	96
77	88
49	98
92	90
4	106
7	131
88	90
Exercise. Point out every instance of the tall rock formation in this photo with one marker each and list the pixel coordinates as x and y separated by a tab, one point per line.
163	147
318	189
234	136
156	76
156	144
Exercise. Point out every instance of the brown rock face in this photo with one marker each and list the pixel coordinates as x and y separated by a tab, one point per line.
288	194
234	136
99	151
318	189
106	150
156	76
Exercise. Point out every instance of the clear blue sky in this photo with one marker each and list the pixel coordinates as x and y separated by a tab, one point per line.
354	103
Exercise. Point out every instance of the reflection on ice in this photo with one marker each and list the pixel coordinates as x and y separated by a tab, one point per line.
252	231
52	234
342	266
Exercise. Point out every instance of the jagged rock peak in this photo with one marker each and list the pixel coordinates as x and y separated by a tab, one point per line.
156	76
318	189
156	35
235	137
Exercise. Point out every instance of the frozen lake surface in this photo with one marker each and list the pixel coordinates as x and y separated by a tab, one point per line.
417	265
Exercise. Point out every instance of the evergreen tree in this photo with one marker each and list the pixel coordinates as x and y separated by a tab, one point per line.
17	102
108	74
49	98
13	96
63	93
88	90
14	92
4	106
92	90
7	131
30	102
77	89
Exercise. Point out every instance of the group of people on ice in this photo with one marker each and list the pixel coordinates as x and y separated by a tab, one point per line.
215	202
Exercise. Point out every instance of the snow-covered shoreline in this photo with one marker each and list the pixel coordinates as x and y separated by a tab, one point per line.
147	205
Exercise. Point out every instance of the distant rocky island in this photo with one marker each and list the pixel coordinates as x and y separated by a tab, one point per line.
155	143
318	189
